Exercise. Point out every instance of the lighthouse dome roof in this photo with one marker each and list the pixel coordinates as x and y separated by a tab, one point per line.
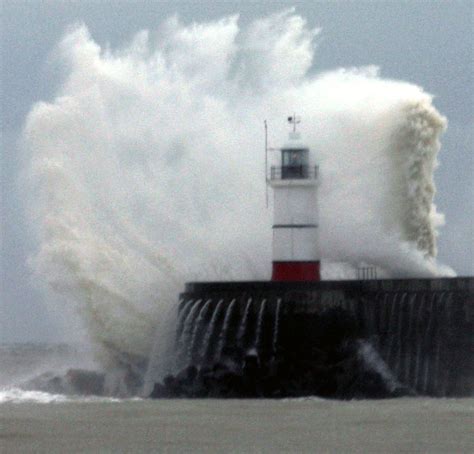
294	142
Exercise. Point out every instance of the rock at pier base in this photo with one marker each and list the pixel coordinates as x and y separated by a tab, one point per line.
345	375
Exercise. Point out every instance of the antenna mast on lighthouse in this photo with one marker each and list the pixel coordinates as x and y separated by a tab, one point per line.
266	162
296	255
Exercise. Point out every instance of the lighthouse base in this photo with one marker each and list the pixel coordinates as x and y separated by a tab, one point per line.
296	271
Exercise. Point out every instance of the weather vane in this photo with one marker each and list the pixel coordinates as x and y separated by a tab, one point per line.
294	120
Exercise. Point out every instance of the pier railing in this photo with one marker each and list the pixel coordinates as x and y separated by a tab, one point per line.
365	273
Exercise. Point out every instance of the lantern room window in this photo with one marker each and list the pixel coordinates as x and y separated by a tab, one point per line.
294	163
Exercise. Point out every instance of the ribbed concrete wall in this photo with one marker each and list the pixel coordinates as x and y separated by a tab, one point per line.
422	328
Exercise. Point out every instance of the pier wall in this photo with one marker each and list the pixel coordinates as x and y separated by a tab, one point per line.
420	330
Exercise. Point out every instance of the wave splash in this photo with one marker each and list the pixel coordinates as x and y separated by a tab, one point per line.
146	169
19	396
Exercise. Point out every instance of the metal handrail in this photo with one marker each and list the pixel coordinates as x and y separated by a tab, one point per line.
367	273
293	172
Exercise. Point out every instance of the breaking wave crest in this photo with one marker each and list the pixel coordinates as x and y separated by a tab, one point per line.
146	169
18	395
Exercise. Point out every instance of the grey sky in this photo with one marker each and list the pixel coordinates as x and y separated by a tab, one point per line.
427	43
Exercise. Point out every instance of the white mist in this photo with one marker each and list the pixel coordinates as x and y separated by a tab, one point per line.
146	170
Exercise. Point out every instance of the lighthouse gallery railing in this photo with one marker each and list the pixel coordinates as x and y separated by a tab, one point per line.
293	172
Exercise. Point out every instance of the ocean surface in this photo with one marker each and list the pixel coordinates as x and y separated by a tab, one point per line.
36	421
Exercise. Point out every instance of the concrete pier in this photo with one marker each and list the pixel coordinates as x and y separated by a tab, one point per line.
417	334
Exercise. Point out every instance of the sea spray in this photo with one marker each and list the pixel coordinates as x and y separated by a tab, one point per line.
197	327
146	168
210	332
225	328
243	324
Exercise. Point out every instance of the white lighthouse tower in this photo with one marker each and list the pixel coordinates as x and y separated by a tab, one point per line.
296	255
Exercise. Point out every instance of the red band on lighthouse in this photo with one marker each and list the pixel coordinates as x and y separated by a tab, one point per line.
296	271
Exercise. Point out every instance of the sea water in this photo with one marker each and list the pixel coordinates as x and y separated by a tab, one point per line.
40	422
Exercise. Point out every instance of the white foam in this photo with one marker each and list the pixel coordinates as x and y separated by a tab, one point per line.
146	169
18	395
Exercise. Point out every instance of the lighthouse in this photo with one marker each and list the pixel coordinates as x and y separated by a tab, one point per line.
296	255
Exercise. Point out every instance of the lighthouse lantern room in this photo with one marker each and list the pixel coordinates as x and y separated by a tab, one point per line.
296	255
